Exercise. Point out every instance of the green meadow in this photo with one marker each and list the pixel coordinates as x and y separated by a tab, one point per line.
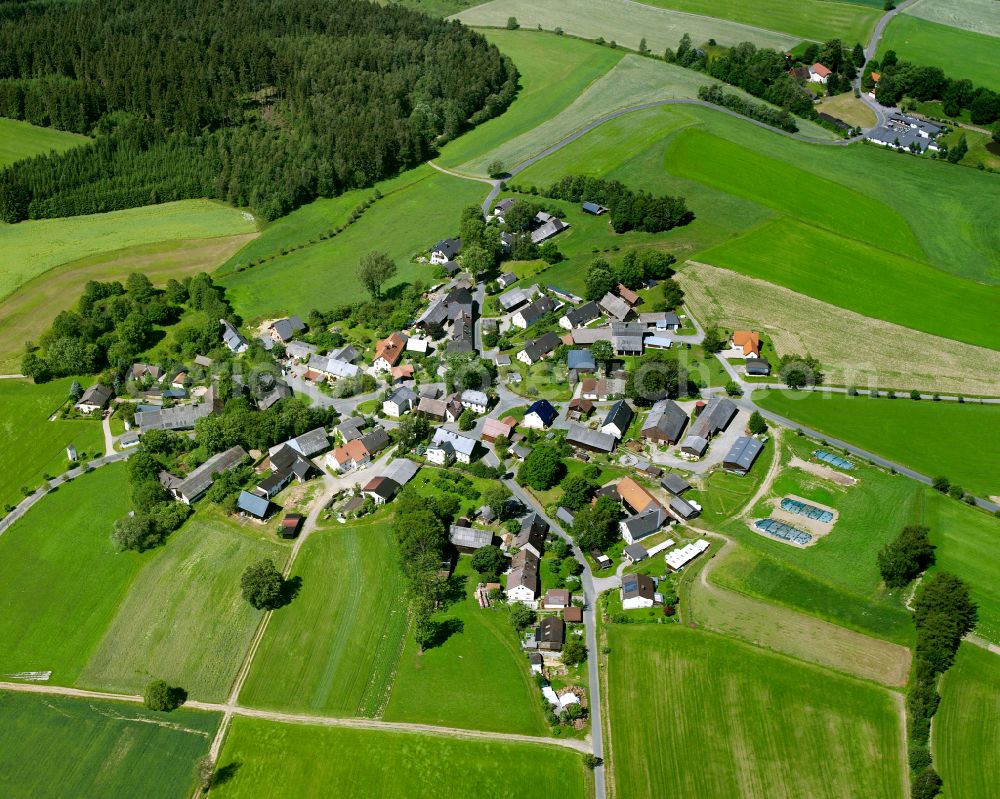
966	731
811	19
697	714
55	746
477	678
184	619
960	53
33	445
286	760
61	580
624	22
22	140
958	440
554	72
333	651
33	247
966	543
418	209
980	16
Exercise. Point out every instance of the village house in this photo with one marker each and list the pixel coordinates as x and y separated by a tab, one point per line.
634	553
579	409
476	401
446	446
381	489
819	73
284	330
522	581
506	280
331	368
95	398
615	307
556	599
591	440
618	419
594	390
232	339
357	452
628	295
638	591
399	402
531	313
578	317
142	371
548	226
388	352
531	537
540	415
192	487
642	524
537	350
445	250
551	634
494	429
746	341
665	423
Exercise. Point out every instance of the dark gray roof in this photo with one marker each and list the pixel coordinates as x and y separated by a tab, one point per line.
545	411
536	310
287	328
695	444
620	415
667	418
231	337
743	453
552	630
595	440
97	394
200	480
683	508
716	416
180	417
587	312
375	440
279	392
580	359
615	306
675	484
448	247
646	523
636	552
758	366
542	346
310	443
511	299
350	428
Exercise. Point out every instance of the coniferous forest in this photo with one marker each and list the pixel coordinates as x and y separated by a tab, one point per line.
259	103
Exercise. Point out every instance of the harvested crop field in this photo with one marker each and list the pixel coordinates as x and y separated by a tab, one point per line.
979	16
881	354
624	22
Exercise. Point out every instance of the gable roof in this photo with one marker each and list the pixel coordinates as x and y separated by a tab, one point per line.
620	415
744	452
391	348
628	295
748	341
675	484
350	428
549	229
231	337
636	552
474	397
583	314
635	496
580	359
646	523
384	487
716	416
403	396
533	312
449	248
511	299
286	328
469	537
542	346
452	442
544	410
310	443
552	630
615	307
820	70
375	440
97	394
200	479
586	438
638	585
253	504
667	418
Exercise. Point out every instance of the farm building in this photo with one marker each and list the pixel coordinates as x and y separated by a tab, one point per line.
94	398
194	485
681	509
681	557
515	298
715	417
556	599
580	361
657	343
469	539
742	455
252	505
757	367
635	496
290	525
549	226
627	338
665	423
591	440
284	330
540	415
179	417
579	409
638	591
587	336
618	419
494	429
615	307
593	208
300	350
446	446
694	445
522	582
628	295
675	484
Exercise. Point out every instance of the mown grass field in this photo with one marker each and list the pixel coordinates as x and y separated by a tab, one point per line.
61	580
633	81
960	53
980	16
33	247
184	619
30	310
54	746
837	270
638	150
966	731
554	72
333	651
810	19
700	715
22	140
623	22
477	679
285	760
418	209
33	445
966	544
848	108
959	441
881	354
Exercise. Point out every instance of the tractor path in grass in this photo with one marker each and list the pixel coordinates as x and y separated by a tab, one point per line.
304	718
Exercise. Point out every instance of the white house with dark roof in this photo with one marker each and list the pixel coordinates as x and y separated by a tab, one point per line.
399	402
535	351
447	445
94	398
232	339
445	250
618	419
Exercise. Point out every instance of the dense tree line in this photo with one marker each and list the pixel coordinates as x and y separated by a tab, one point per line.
776	117
633	271
267	105
904	558
240	424
114	322
899	79
629	210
